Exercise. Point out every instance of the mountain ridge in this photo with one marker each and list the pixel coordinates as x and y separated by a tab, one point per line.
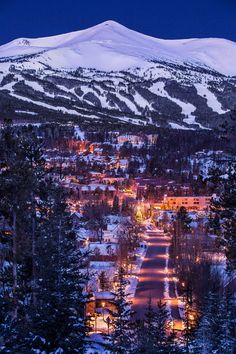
109	73
111	35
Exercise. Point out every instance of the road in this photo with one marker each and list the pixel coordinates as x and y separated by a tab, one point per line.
156	279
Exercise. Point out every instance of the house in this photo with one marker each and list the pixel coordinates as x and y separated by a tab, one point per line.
76	219
103	249
94	191
151	139
137	140
129	138
123	164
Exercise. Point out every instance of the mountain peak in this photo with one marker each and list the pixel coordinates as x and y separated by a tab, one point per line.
112	46
111	23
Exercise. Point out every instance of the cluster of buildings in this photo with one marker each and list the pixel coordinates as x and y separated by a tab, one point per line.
93	171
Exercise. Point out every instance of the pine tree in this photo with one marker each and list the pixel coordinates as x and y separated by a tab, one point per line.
224	211
125	206
60	316
183	219
116	205
103	281
43	305
162	326
228	203
22	170
158	337
150	328
215	331
121	339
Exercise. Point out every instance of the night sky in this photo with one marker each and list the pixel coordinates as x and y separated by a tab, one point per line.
159	18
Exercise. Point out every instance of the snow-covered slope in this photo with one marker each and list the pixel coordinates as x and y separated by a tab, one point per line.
109	73
111	46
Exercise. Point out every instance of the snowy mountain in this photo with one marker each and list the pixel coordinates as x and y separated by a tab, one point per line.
109	72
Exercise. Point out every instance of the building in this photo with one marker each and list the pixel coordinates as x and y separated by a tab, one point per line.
97	191
137	140
198	203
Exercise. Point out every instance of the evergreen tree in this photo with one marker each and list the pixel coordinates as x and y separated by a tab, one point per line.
121	339
148	342
22	171
162	326
183	219
215	331
125	206
224	215
158	337
43	301
116	205
104	281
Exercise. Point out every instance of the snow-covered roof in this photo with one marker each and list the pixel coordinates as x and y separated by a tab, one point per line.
94	186
104	295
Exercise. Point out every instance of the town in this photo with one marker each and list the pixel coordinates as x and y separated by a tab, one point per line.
118	177
146	225
154	226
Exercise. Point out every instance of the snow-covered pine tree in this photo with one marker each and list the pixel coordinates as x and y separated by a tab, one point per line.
224	210
121	336
146	343
203	341
215	331
22	163
42	297
228	203
153	334
226	342
57	322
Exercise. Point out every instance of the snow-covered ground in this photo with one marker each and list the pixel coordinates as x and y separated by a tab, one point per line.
133	279
111	46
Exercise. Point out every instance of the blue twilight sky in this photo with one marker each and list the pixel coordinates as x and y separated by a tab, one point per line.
159	18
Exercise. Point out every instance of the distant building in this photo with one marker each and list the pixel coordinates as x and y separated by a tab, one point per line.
151	139
123	164
200	203
137	140
96	191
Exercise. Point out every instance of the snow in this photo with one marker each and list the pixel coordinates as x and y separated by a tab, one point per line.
166	283
78	133
38	103
94	186
178	126
111	46
101	295
187	108
140	100
27	112
101	265
212	101
35	86
108	248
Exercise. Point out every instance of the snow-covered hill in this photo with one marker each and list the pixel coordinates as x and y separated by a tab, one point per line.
111	72
111	46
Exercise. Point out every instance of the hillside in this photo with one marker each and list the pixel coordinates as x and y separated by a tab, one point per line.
109	73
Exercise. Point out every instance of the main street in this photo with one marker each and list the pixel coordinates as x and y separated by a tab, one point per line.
156	279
